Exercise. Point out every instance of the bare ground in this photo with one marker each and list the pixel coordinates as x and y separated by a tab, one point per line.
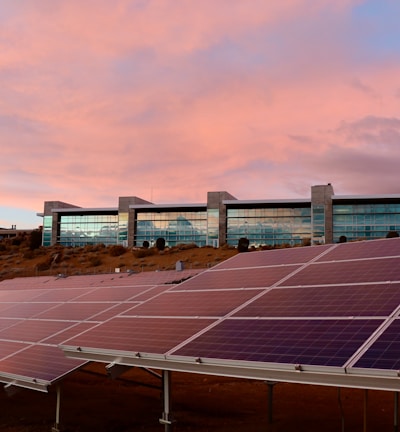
200	403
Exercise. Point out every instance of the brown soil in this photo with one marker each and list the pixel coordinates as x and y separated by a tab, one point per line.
200	403
20	262
93	402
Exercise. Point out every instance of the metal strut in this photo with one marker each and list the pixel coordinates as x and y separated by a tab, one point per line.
166	418
270	385
56	427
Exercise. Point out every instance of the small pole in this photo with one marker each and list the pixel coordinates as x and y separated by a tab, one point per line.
166	418
270	385
365	409
56	427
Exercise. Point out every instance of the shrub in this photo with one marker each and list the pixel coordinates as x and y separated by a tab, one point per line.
35	240
29	254
160	244
116	250
243	244
44	265
95	261
142	253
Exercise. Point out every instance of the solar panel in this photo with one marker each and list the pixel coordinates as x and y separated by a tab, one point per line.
259	314
238	278
310	342
385	351
193	303
262	314
325	301
141	335
298	255
363	249
39	363
347	272
38	314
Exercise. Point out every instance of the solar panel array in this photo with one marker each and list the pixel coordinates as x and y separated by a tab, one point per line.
37	314
321	308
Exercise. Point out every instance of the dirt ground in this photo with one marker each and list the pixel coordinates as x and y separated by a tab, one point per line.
200	403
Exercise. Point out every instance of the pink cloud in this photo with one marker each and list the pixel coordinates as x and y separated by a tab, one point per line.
146	99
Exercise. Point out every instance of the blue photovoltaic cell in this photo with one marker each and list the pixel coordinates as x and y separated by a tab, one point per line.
147	335
363	249
385	351
306	342
298	255
237	278
340	272
193	303
326	301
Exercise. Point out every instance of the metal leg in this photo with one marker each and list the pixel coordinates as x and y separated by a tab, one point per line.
56	427
166	419
365	409
270	385
341	408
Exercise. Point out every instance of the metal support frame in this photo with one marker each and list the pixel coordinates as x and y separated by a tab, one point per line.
339	394
270	385
365	410
166	418
56	427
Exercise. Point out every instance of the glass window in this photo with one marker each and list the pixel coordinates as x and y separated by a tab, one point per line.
365	221
269	226
175	227
81	230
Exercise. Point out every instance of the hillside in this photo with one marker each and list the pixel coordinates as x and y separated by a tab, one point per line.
19	259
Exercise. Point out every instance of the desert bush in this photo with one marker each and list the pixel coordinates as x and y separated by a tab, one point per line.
186	246
142	253
116	250
29	254
160	244
95	261
243	244
45	264
35	240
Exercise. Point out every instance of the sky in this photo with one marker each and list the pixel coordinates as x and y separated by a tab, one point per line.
169	99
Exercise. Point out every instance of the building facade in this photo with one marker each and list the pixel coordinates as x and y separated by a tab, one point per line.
223	219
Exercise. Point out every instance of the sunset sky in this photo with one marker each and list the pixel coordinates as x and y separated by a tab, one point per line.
170	99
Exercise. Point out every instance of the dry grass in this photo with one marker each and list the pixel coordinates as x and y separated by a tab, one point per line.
21	261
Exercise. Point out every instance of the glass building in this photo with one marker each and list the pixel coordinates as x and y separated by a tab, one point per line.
366	218
176	226
223	219
274	223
